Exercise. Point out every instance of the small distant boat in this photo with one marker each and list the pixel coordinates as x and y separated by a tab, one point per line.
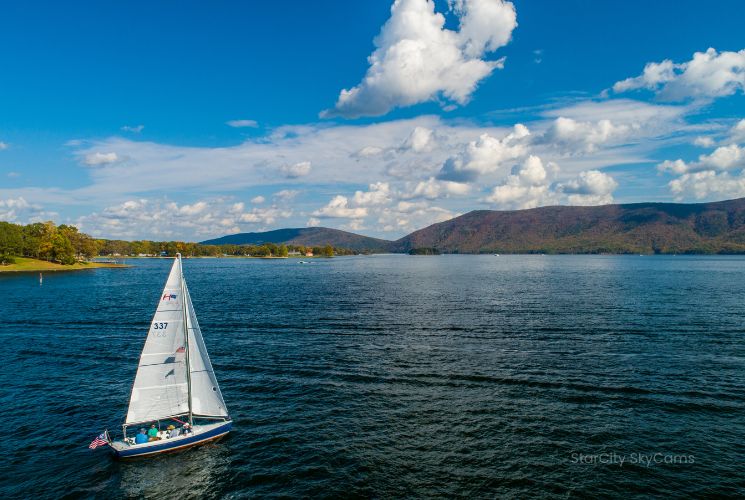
303	262
175	385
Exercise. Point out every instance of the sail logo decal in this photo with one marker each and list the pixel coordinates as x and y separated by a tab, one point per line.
169	296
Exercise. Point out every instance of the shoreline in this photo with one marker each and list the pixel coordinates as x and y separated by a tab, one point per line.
189	257
27	265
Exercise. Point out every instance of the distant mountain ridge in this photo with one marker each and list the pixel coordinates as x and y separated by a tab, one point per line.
717	227
307	236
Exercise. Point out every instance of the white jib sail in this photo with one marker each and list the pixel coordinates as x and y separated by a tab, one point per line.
206	398
160	387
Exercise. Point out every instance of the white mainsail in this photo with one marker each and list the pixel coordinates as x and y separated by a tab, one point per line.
206	398
160	387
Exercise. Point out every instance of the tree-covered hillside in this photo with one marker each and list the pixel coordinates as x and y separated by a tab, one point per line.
668	228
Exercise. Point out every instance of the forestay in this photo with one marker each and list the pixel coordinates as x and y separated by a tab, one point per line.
160	387
206	399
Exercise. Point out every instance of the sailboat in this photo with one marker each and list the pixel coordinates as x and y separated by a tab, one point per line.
175	387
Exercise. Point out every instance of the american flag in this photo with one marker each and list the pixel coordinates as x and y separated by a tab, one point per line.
99	441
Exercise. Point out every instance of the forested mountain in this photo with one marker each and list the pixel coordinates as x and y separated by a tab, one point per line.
717	227
307	236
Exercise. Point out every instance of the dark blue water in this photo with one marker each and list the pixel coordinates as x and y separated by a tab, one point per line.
394	376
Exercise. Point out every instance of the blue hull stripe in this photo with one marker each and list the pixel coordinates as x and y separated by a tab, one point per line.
181	443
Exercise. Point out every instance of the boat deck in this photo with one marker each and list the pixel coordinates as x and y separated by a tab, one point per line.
201	434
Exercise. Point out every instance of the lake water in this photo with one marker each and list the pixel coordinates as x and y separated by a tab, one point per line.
394	376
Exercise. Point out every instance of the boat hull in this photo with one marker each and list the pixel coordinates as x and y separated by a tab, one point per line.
169	446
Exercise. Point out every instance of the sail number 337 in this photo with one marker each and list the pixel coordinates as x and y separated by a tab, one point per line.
160	328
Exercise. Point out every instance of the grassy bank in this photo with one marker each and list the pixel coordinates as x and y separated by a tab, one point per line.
24	264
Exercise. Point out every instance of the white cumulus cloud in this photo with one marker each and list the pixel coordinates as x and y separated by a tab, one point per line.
98	158
11	208
591	187
527	187
532	184
708	183
367	152
339	207
737	133
286	195
417	59
673	166
268	215
433	189
703	141
295	170
379	194
722	158
707	75
194	209
585	136
485	155
421	140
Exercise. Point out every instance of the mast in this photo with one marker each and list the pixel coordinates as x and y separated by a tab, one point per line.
186	335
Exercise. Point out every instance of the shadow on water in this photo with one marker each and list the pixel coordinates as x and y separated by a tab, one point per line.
197	473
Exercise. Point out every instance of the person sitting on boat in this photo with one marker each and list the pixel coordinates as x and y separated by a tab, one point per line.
186	429
141	437
152	434
173	431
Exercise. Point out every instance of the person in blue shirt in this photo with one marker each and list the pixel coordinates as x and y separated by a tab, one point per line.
141	437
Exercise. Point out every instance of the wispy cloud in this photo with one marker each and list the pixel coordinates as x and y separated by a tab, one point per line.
136	129
164	219
242	123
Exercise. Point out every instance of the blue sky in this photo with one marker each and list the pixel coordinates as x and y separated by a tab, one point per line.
188	120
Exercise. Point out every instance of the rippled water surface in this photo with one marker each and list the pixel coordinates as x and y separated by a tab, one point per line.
394	376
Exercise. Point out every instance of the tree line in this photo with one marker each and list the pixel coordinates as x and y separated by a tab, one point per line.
46	241
170	248
65	244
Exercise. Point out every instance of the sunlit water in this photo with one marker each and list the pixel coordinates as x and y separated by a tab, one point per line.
393	376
